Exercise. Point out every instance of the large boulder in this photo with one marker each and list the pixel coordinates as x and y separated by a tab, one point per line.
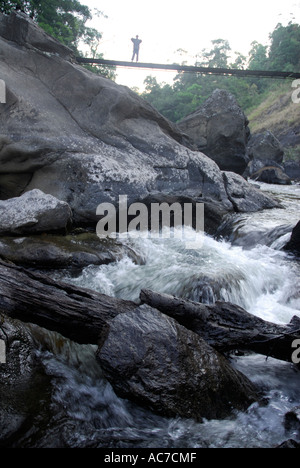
22	384
265	147
152	359
84	139
76	250
243	196
271	175
34	212
266	156
293	244
220	129
292	169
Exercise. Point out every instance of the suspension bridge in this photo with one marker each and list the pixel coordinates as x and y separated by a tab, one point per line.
192	69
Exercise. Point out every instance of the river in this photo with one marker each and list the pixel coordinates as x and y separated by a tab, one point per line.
245	266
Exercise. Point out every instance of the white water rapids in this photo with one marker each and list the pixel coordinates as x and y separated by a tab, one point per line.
250	270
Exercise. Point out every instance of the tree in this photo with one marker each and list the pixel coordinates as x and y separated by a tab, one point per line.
66	21
218	56
240	61
63	19
285	46
258	59
190	90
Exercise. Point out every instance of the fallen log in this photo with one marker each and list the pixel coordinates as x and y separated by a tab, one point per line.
227	327
77	313
84	316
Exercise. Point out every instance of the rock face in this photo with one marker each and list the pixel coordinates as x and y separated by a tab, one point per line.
21	384
220	129
292	421
266	156
265	147
271	175
244	197
71	251
294	243
151	359
34	212
292	169
86	140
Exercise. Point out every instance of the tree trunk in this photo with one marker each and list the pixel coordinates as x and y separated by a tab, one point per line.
83	315
76	313
227	327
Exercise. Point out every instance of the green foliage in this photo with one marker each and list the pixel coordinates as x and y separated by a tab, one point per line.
218	56
63	19
190	90
285	46
66	21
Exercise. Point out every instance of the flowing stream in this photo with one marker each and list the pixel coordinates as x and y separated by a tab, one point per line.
247	267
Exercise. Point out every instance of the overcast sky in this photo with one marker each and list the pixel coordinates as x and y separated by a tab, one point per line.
168	25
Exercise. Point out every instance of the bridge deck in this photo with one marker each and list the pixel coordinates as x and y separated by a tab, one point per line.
192	69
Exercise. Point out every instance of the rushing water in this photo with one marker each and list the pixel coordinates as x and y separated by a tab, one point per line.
247	268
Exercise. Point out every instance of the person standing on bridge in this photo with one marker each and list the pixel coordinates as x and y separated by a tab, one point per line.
136	48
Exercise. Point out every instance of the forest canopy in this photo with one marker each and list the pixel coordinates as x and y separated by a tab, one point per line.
190	90
66	21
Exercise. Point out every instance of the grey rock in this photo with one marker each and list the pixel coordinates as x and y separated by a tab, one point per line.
34	212
84	139
292	422
266	156
256	165
292	169
265	147
293	244
70	251
151	359
271	175
289	444
21	383
219	128
16	27
245	197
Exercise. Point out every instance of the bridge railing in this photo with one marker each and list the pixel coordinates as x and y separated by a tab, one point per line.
192	69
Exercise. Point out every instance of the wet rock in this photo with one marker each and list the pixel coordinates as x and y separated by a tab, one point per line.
292	169
256	165
266	156
265	147
70	251
34	212
220	129
249	239
294	243
271	175
292	422
289	444
22	384
151	359
245	197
